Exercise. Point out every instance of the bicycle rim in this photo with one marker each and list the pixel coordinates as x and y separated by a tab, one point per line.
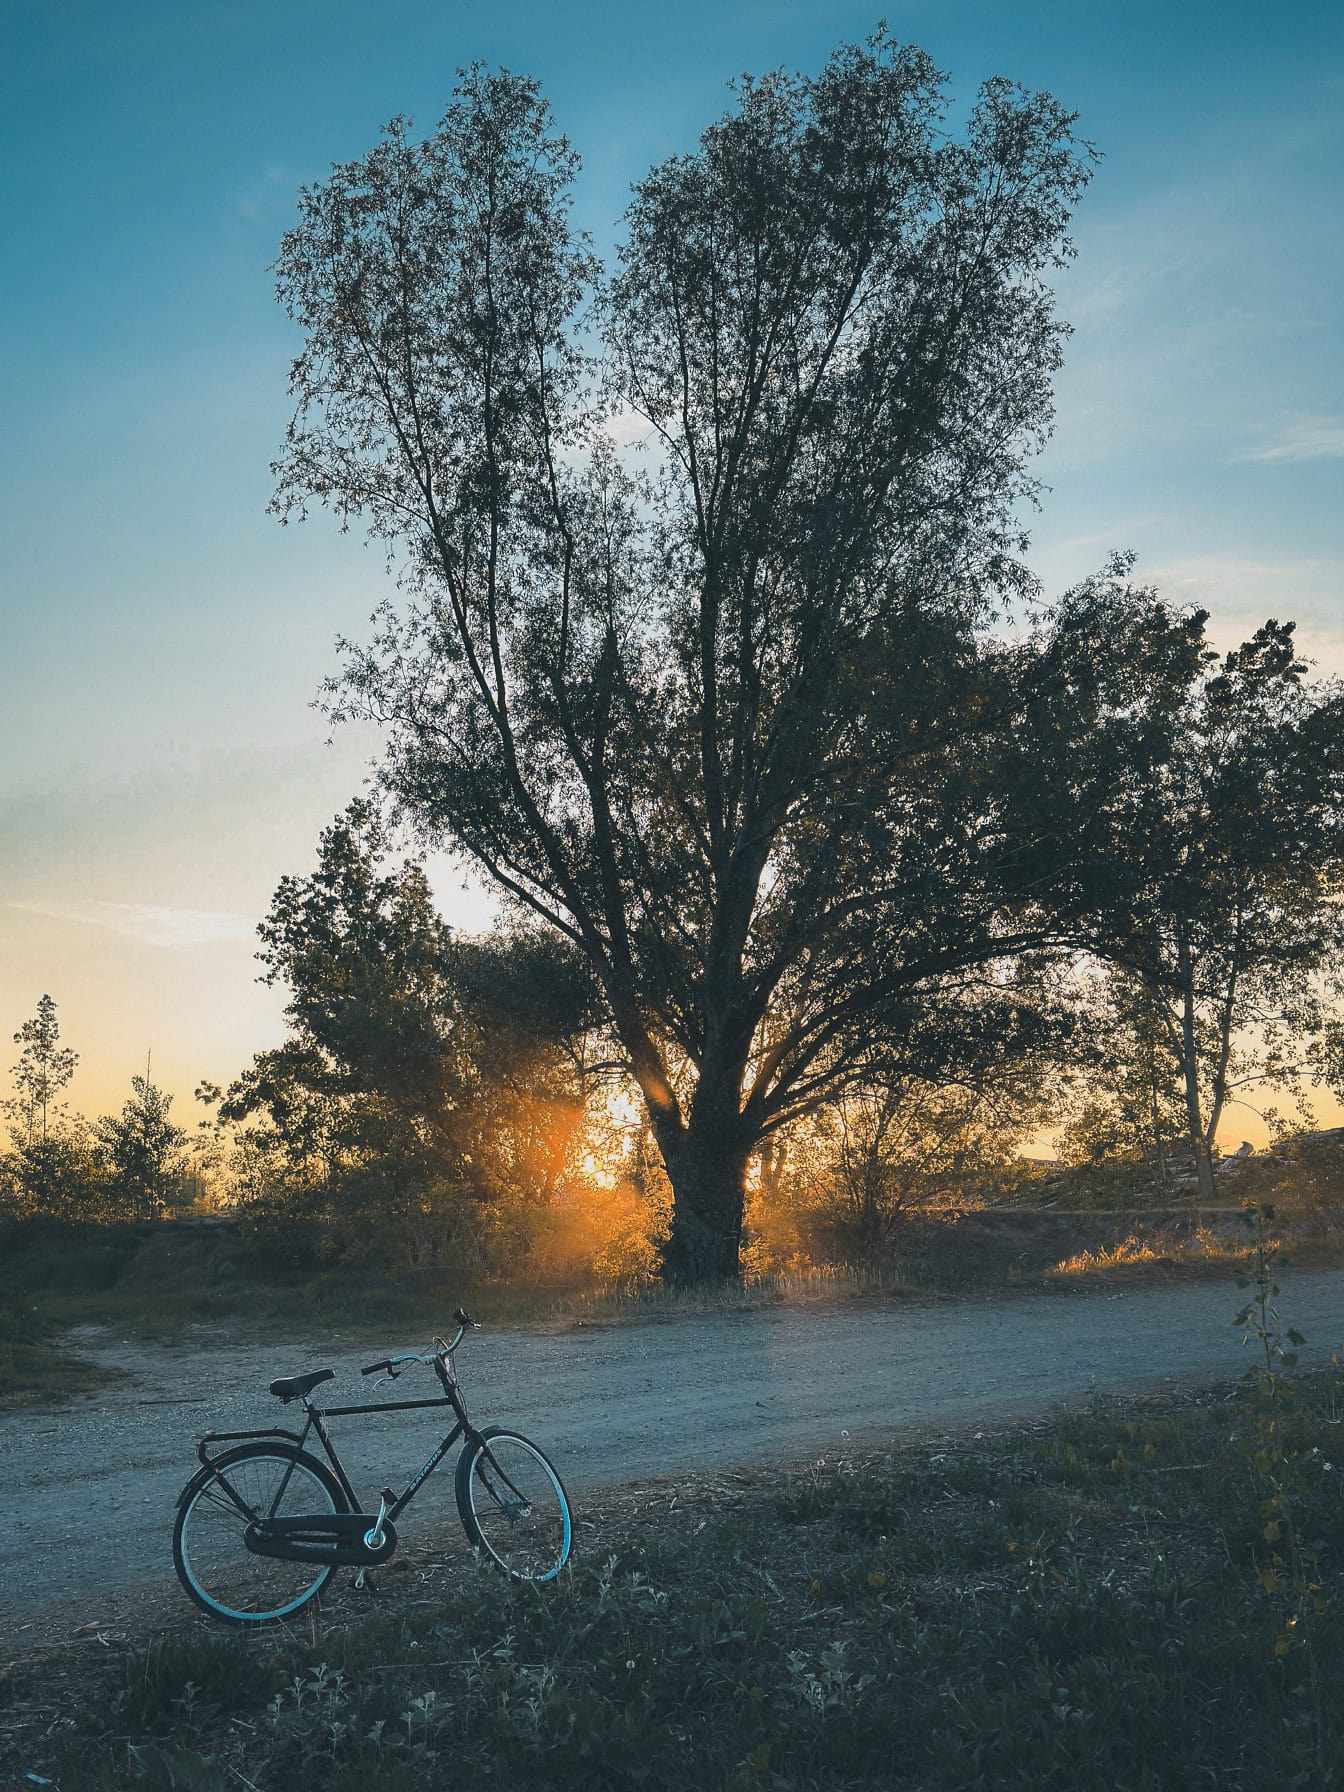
516	1509
215	1564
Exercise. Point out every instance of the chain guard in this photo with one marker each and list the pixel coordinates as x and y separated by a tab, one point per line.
333	1537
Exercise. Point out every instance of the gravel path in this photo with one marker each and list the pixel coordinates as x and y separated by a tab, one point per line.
89	1488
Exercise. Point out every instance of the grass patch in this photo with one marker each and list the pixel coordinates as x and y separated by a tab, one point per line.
1070	1608
34	1367
1161	1247
817	1285
1211	1247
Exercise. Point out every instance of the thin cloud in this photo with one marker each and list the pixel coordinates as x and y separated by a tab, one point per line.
260	200
628	429
174	929
1240	593
1313	438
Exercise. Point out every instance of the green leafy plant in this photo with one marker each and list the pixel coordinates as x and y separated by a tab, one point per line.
1285	1472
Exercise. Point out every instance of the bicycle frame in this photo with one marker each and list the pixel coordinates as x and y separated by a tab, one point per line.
316	1423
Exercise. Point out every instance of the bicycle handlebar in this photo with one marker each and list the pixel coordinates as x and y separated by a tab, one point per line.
390	1364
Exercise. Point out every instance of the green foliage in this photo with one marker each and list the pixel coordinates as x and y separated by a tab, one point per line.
1290	1482
60	1175
432	1088
142	1151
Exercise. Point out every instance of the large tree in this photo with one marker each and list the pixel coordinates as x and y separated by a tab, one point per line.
715	721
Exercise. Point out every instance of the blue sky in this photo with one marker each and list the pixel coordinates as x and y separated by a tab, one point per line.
161	639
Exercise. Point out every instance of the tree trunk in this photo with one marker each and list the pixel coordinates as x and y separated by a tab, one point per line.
707	1171
1190	1069
1159	1148
1204	1171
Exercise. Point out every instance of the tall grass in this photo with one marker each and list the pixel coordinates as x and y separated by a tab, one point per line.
815	1284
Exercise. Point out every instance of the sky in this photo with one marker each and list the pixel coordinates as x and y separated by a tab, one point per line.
162	639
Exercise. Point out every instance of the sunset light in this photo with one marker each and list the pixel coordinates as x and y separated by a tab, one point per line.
673	919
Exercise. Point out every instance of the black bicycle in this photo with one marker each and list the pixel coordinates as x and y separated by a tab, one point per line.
262	1526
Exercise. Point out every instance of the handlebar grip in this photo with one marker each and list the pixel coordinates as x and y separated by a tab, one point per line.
373	1368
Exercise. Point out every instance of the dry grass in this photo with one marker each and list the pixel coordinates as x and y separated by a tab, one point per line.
816	1285
1169	1246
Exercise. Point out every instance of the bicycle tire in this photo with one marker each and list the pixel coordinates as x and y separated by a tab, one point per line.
531	1542
213	1563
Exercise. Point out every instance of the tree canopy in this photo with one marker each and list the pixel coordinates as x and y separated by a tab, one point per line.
718	719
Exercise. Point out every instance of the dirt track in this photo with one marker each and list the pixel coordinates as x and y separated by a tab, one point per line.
89	1489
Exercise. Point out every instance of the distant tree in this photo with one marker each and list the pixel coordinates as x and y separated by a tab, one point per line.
53	1169
1127	1102
44	1069
143	1150
883	1154
714	726
1219	892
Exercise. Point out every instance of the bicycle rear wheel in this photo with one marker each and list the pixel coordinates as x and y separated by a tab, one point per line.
512	1505
212	1561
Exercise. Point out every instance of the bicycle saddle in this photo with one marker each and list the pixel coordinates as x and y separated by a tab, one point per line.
293	1387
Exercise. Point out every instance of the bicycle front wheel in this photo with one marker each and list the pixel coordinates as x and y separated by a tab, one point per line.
212	1561
513	1507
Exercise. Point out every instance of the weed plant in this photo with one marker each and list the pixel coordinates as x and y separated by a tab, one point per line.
1289	1469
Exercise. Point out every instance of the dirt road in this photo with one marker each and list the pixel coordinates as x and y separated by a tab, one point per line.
88	1489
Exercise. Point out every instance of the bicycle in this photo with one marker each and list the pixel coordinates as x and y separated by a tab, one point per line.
263	1526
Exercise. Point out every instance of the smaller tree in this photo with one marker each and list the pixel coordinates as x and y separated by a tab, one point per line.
1224	877
430	1082
143	1149
1128	1105
53	1170
44	1068
882	1154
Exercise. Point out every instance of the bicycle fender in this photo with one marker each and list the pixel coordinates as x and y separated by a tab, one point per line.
204	1476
